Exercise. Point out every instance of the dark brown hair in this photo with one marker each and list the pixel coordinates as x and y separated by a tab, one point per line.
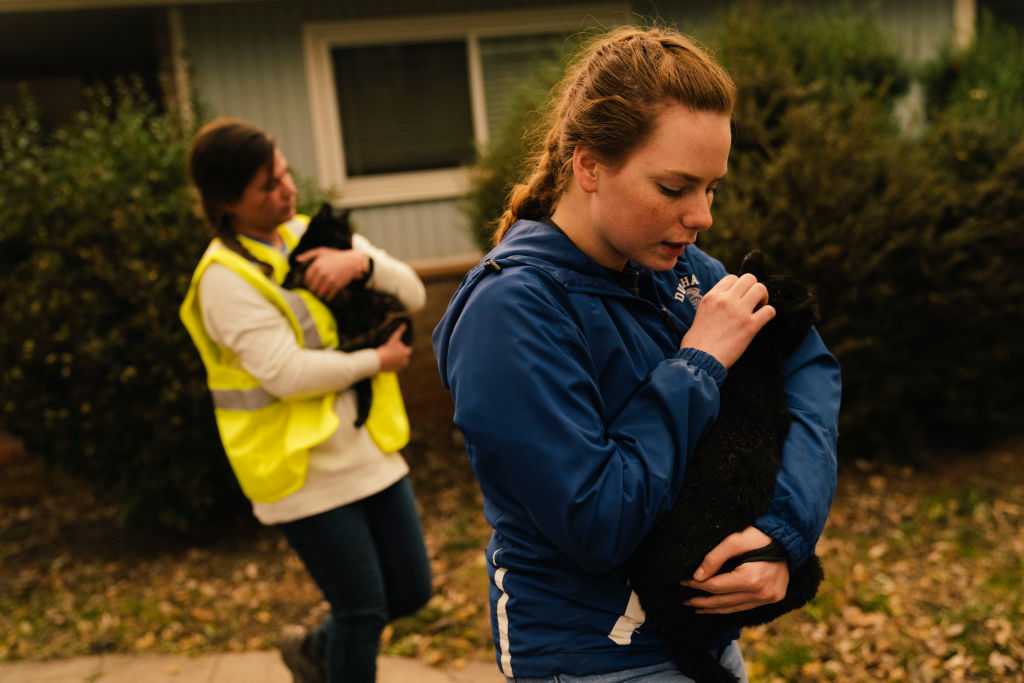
607	102
226	154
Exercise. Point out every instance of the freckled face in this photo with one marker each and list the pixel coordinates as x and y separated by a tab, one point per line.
652	206
268	199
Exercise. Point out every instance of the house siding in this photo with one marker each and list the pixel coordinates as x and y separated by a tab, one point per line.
918	28
266	49
259	75
422	231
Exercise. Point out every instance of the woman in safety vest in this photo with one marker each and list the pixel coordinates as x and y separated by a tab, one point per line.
285	407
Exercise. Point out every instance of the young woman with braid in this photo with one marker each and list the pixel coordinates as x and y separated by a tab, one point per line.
585	355
285	406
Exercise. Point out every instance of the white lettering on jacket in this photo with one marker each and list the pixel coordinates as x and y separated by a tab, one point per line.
689	290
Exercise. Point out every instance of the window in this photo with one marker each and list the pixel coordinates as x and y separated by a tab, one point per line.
400	106
404	107
1005	11
507	61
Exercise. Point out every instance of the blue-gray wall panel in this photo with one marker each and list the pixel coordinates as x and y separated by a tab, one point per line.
247	60
425	230
917	27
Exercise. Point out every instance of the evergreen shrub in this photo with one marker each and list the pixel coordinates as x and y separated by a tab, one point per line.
982	82
98	240
909	240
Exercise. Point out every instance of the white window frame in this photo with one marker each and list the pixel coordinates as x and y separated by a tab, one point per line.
394	188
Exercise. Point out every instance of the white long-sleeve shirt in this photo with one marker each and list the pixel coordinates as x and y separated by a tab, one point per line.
347	466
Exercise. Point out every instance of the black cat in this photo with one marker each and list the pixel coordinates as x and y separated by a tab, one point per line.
366	318
729	483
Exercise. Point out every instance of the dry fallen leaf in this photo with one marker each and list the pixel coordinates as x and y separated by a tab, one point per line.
202	614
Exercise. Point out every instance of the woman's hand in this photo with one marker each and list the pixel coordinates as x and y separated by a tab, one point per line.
729	317
750	585
332	269
394	355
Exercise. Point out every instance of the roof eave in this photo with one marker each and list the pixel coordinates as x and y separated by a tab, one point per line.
70	5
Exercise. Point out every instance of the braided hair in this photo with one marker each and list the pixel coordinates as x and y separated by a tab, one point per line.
225	156
607	101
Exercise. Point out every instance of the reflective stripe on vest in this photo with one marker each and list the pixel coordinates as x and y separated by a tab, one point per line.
242	399
267	440
310	333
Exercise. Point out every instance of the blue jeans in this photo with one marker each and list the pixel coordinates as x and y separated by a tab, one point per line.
369	560
667	672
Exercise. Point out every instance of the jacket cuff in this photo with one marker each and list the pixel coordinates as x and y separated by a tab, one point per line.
369	270
381	275
704	361
795	546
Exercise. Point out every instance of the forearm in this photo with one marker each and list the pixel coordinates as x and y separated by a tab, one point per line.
289	371
242	321
393	276
592	484
803	491
806	483
652	439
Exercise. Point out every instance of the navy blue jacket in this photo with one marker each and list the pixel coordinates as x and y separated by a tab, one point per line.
579	411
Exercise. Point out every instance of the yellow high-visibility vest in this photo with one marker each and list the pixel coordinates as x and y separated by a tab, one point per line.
267	439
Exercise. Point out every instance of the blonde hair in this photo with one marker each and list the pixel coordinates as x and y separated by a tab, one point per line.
607	102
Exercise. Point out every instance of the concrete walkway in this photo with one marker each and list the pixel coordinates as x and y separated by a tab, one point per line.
246	667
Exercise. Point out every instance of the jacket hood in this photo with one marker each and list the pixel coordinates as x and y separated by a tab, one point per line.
539	244
543	245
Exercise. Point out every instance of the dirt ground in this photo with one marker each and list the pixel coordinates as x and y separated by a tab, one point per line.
923	567
74	581
428	403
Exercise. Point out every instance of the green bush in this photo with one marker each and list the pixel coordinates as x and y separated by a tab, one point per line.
982	82
907	239
98	239
787	56
912	265
910	241
98	373
781	58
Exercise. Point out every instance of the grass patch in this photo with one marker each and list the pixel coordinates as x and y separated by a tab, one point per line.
822	608
786	659
923	576
972	542
873	602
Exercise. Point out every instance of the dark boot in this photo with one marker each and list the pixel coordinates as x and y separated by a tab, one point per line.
300	656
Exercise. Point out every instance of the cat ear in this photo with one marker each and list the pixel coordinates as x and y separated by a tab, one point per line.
338	214
342	216
325	210
754	263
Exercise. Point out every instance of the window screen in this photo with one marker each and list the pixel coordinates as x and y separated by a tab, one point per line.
404	107
509	62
